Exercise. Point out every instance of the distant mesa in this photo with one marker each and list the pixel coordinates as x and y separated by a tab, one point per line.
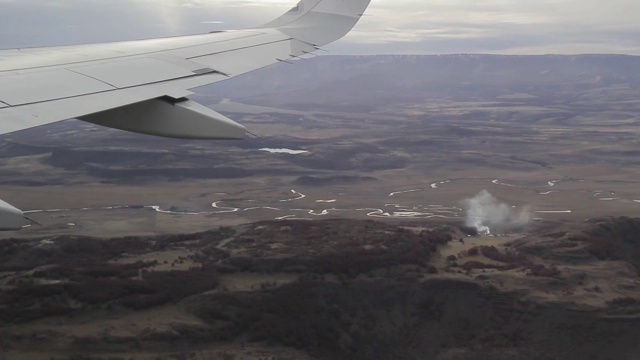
392	79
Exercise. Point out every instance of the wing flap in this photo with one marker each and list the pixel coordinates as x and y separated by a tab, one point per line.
266	36
23	117
55	105
23	59
183	119
244	60
133	72
32	87
55	83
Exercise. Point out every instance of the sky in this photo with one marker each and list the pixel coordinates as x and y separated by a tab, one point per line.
389	26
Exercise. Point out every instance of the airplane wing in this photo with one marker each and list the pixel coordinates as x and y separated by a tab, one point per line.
142	86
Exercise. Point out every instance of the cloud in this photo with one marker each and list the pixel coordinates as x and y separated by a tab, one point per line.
389	26
499	26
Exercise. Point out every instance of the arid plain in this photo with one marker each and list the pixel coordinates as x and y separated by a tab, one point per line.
204	250
385	137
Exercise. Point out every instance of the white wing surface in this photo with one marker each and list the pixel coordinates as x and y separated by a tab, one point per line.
142	86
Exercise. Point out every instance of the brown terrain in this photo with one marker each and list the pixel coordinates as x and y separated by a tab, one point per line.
329	289
169	249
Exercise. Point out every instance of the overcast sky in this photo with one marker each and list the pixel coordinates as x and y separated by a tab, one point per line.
390	26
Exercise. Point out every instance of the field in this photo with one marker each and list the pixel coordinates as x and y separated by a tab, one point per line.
200	249
327	289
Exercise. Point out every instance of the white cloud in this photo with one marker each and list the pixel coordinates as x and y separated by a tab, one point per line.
398	26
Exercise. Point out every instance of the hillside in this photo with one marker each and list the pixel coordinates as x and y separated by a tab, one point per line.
338	289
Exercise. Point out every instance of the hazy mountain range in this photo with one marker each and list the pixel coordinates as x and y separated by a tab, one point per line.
366	82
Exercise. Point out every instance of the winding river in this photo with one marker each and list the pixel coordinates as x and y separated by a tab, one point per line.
284	209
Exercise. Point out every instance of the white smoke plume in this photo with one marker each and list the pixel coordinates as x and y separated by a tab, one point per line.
485	212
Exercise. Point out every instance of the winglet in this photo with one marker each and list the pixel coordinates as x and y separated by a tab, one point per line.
319	22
